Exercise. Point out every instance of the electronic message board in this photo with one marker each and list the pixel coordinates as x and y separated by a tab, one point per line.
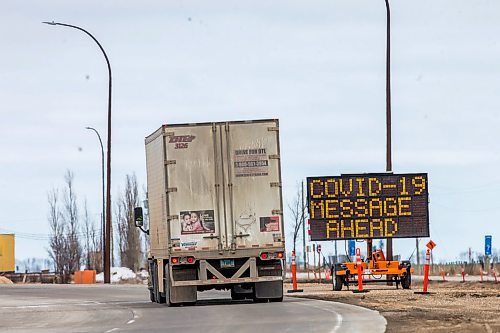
368	206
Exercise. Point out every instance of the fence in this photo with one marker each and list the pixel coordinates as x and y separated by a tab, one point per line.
36	277
455	268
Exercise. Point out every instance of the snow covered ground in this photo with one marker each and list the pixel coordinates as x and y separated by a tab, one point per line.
124	275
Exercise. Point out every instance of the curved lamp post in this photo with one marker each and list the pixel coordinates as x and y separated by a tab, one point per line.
107	246
388	107
103	196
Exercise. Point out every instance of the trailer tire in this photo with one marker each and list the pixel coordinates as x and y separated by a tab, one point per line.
152	296
338	281
273	300
236	296
406	280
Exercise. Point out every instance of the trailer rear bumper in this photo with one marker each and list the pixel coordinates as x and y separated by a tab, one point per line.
226	281
206	274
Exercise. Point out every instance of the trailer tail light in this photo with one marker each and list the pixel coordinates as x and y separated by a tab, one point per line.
272	255
190	260
400	267
175	261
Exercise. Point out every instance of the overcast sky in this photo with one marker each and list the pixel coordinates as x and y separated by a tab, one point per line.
318	66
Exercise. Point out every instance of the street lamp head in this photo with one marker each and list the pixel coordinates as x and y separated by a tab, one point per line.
50	23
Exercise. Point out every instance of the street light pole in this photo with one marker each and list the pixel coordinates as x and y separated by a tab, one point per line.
388	107
107	246
103	196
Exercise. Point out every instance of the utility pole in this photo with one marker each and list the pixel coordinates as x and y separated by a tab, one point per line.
314	260
303	228
418	254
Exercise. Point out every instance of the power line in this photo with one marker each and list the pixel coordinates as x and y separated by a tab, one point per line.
37	236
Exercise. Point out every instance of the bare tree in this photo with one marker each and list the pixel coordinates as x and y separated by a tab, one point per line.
128	235
32	264
298	211
57	230
70	218
92	242
87	229
120	229
96	257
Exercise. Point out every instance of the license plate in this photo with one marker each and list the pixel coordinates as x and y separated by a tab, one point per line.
225	263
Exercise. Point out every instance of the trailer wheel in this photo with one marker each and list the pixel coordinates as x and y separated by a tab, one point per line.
273	300
406	280
338	281
236	296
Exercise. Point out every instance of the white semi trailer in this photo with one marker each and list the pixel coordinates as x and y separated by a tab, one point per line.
215	211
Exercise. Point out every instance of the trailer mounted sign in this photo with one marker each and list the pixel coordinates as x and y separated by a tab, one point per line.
368	206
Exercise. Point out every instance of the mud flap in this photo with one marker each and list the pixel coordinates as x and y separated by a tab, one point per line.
183	294
157	295
268	290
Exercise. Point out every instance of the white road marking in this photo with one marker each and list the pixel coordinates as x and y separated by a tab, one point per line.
24	307
112	330
136	316
89	303
338	315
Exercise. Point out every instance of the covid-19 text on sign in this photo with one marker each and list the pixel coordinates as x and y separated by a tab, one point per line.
368	206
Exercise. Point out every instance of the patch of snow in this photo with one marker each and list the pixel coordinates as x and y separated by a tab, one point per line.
118	274
143	274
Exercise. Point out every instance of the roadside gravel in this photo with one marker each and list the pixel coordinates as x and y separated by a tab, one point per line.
451	306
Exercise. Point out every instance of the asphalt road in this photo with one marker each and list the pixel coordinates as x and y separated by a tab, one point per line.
126	308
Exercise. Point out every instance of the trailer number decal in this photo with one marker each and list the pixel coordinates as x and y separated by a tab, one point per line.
368	206
181	141
251	162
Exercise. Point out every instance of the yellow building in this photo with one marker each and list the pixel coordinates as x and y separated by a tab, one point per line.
7	258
